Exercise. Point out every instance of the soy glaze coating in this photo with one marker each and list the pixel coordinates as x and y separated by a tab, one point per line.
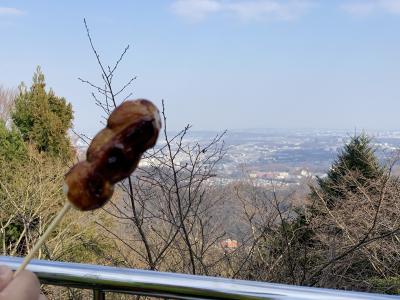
113	154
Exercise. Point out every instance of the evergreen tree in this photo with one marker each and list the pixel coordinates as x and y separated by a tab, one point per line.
43	118
357	157
33	153
12	147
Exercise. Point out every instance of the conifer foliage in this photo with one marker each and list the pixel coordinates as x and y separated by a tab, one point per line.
357	157
44	118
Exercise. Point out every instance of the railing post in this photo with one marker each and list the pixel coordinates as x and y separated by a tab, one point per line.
99	295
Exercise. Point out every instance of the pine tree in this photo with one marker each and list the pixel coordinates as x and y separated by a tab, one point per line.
43	118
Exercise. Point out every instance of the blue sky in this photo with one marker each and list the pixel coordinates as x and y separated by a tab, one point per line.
218	64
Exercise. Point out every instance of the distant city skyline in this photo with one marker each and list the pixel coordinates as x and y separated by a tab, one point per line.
218	64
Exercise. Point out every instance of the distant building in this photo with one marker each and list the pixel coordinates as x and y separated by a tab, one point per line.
305	173
269	175
229	245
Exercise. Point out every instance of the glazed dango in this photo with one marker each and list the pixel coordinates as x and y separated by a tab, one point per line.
113	154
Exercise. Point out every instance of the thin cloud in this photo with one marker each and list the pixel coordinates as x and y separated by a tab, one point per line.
11	11
268	10
392	6
195	10
247	10
368	7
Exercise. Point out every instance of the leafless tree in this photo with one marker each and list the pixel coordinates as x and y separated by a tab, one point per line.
7	97
353	244
359	237
164	211
266	252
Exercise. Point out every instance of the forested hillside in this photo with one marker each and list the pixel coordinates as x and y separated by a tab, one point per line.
343	232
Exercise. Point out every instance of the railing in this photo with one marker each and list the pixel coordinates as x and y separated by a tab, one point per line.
102	279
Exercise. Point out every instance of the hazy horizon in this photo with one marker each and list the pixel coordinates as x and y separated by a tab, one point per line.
218	64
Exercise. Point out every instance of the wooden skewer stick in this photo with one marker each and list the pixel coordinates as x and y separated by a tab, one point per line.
44	237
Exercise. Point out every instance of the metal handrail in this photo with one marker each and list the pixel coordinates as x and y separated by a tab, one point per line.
103	279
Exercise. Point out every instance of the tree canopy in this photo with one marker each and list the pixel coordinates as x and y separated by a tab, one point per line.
11	143
43	118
